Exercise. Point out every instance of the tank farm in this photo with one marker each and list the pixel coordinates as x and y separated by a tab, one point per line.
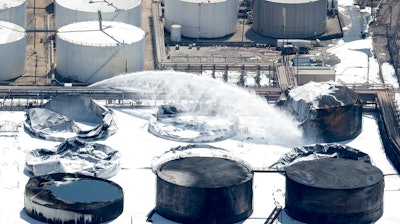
86	42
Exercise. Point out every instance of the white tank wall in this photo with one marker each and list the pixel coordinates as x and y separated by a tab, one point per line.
202	18
12	50
13	11
304	18
70	11
92	62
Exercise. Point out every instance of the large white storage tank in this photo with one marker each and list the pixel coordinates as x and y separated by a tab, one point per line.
202	18
289	18
70	11
89	54
12	50
13	11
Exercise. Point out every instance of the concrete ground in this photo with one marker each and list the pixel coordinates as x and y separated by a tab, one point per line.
37	63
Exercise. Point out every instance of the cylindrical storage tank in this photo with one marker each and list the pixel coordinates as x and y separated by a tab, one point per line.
176	33
71	11
334	191
73	198
12	50
13	11
89	54
327	111
202	18
289	18
204	190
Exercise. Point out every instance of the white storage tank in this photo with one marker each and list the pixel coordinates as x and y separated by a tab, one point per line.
202	18
12	50
13	11
176	33
89	54
70	11
289	18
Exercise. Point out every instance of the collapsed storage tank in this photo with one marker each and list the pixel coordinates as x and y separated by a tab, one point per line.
70	117
74	156
202	18
289	18
73	198
202	189
334	191
327	111
13	11
92	51
317	151
188	123
71	11
12	50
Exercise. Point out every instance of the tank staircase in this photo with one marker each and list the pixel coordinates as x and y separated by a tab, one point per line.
285	75
274	215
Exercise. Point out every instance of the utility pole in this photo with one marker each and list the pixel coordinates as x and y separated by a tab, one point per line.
297	67
284	24
198	32
372	6
369	50
390	17
100	20
245	5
